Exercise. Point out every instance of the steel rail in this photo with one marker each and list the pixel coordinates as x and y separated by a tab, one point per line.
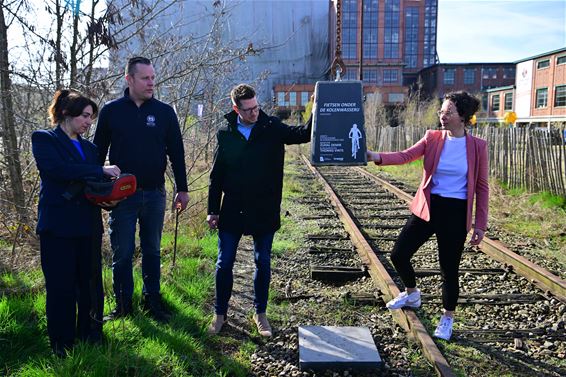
542	278
406	318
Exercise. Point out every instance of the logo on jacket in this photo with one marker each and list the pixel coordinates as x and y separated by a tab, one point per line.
150	121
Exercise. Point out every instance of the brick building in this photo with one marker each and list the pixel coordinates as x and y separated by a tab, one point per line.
399	39
539	94
541	88
440	79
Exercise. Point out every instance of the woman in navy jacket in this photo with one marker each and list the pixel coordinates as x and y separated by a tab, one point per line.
69	227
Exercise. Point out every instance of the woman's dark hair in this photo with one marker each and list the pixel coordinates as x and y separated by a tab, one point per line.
466	104
69	103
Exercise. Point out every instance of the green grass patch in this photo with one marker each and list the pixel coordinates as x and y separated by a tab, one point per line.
136	346
548	200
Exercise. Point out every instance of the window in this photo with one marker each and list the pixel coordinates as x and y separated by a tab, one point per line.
469	76
542	98
304	98
489	73
508	73
351	74
449	74
281	99
293	98
391	32
508	101
370	75
560	96
429	45
543	64
396	97
349	28
484	102
561	60
411	36
495	103
390	76
370	29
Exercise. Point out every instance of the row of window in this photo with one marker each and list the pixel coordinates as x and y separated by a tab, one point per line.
541	100
559	97
290	98
546	63
391	31
371	75
507	105
470	75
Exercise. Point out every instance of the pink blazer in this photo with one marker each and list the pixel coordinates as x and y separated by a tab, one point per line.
430	146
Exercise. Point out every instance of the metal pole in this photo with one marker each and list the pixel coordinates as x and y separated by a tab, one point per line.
360	68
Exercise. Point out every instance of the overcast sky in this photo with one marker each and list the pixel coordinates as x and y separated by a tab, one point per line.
499	30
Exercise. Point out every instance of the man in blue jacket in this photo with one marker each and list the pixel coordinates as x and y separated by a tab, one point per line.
141	132
247	178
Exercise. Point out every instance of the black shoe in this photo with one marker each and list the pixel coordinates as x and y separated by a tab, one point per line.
153	305
95	338
120	311
61	350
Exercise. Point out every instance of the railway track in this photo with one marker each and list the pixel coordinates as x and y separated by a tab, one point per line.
510	319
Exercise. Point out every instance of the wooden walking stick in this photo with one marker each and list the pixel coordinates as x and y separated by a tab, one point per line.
177	211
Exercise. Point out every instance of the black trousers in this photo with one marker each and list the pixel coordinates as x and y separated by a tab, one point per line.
73	283
448	222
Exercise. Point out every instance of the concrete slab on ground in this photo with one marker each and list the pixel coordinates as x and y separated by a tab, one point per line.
333	347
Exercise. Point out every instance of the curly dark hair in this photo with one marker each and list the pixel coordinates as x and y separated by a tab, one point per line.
240	92
465	103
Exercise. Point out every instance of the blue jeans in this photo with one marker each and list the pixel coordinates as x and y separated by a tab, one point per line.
147	206
227	247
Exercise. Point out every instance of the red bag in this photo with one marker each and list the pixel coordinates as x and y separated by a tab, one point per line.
108	190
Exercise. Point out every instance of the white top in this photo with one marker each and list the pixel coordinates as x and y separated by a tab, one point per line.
450	179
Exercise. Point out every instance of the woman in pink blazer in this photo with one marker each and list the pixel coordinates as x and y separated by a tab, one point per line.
455	173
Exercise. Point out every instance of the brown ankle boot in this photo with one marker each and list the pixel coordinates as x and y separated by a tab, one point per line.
217	322
262	324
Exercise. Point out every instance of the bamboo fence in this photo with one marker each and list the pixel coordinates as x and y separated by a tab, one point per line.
534	159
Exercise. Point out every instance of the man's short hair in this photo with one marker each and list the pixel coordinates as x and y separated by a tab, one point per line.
131	66
240	92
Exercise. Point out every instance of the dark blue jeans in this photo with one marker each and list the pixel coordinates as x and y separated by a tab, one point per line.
147	206
227	247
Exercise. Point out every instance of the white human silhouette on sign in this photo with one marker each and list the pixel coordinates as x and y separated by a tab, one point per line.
355	135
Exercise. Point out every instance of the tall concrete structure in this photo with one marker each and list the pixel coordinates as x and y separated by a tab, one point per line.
288	39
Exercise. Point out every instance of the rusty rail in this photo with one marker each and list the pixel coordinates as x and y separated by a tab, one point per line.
406	318
539	276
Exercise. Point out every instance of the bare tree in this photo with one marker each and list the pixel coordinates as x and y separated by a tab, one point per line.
9	138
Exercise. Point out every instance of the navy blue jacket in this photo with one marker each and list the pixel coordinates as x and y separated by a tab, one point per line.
250	174
140	139
61	165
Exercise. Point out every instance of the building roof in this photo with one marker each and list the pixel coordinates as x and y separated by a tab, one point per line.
499	88
563	49
441	65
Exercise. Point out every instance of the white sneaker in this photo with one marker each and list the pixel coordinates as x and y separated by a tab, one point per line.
444	328
405	300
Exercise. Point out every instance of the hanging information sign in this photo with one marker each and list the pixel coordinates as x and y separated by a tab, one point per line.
338	126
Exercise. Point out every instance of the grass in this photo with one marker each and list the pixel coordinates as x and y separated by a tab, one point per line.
136	346
140	347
